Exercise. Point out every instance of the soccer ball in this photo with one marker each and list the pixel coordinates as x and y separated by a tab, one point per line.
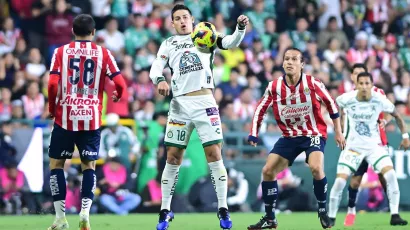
204	36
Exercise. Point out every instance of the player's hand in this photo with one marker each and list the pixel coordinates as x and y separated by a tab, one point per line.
163	88
253	140
340	140
405	144
115	96
243	20
50	116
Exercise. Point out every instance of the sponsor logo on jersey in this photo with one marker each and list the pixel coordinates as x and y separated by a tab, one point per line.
83	91
183	45
174	122
215	121
89	153
362	116
66	153
163	57
212	111
81	114
189	62
82	52
289	112
70	101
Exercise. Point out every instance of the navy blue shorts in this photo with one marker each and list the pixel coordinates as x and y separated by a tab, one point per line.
362	169
290	147
62	143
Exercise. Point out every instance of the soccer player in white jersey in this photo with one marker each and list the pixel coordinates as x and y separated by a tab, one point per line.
192	106
362	108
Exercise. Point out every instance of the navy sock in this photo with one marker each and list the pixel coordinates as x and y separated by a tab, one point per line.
88	184
57	184
320	190
352	196
270	195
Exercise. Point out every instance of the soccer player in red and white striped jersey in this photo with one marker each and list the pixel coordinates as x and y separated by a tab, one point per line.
296	100
77	77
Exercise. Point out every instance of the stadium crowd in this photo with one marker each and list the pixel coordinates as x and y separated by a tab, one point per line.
333	35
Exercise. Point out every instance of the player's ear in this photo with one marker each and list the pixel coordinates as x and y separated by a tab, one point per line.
302	65
193	19
93	32
72	31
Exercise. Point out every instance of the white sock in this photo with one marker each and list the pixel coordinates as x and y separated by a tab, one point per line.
351	210
336	196
85	207
219	178
169	181
59	206
393	191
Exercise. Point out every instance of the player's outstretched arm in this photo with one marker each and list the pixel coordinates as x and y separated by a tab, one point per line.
158	67
405	143
235	39
264	103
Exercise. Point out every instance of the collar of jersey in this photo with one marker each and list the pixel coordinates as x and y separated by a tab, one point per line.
292	86
82	40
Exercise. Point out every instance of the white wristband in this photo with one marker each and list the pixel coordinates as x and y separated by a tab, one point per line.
405	136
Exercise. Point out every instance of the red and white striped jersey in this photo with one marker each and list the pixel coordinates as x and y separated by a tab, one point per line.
82	67
296	108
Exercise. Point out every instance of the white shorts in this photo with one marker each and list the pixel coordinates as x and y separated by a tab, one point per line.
351	158
189	112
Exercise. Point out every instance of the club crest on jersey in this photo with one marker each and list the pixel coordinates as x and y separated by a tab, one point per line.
306	90
215	121
189	62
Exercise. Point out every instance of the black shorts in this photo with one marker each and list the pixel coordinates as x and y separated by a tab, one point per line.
62	143
290	147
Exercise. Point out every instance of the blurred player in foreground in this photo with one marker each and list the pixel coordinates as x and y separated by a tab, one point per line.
296	100
362	108
193	106
77	75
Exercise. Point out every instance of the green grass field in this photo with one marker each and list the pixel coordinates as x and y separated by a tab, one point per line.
305	221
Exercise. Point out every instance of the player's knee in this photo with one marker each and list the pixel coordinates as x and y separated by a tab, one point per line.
268	173
56	163
174	155
355	182
317	170
213	153
85	164
386	169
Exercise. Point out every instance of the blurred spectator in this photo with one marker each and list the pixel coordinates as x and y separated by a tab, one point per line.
402	89
58	27
7	149
301	35
116	196
33	102
113	39
332	32
231	90
100	9
5	104
327	9
333	51
245	105
238	189
35	68
270	36
8	36
360	52
143	7
258	15
143	88
119	141
12	182
120	12
9	65
136	36
371	195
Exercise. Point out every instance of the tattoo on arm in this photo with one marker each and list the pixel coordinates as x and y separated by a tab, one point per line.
399	121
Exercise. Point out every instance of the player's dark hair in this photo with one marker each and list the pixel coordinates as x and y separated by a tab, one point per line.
83	25
359	65
302	60
179	7
365	74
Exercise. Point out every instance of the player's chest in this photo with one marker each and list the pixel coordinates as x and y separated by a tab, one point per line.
363	112
293	104
184	54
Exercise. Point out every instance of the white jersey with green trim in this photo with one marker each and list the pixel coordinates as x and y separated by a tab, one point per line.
191	69
362	128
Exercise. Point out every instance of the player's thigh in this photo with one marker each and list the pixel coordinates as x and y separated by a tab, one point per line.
178	131
314	148
287	148
207	122
349	161
379	159
61	143
88	144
